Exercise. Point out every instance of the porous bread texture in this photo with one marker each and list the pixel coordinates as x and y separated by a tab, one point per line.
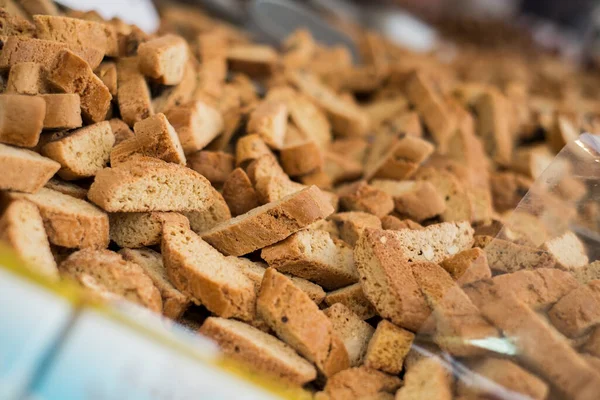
24	170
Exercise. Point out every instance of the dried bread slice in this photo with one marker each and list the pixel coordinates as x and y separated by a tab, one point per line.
505	256
196	123
22	229
455	195
23	170
361	196
269	223
578	311
360	383
427	379
297	320
417	200
388	347
354	332
67	188
351	224
107	274
134	230
69	222
164	58
269	121
354	299
468	266
21	119
239	193
262	351
150	184
217	212
568	251
208	277
133	94
174	302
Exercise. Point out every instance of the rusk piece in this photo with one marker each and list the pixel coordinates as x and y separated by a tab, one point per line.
388	347
577	311
587	273
205	275
134	230
353	298
239	193
217	212
174	302
23	170
468	266
258	349
63	111
107	72
396	157
21	119
427	379
361	196
196	123
250	148
22	229
164	58
253	60
351	224
493	125
417	200
26	78
390	222
360	383
213	165
149	184
458	202
82	153
133	94
69	222
269	223
67	188
120	129
568	251
505	256
297	320
301	159
269	121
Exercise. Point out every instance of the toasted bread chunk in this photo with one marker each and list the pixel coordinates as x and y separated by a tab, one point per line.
313	255
540	347
269	223
154	137
354	332
14	22
361	196
459	325
387	279
532	161
21	119
360	383
22	229
78	32
262	351
164	58
107	72
310	120
578	310
458	201
250	148
71	74
120	130
353	148
396	224
493	125
351	224
208	277
417	200
507	375
63	111
468	266
84	152
239	193
149	184
270	182
301	159
213	165
133	94
179	94
427	379
587	273
297	320
383	110
504	256
298	49
42	7
26	78
592	344
217	212
269	121
396	157
67	188
69	222
23	170
253	60
196	123
508	188
562	131
107	274
568	251
347	119
174	302
136	230
388	347
338	168
354	299
19	49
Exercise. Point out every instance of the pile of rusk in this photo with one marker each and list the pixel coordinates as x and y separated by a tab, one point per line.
321	213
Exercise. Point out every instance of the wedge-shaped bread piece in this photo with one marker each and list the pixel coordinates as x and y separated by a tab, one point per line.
71	74
505	375
21	119
217	212
196	123
22	229
592	344
107	72
532	161
508	188
154	137
361	196
14	22
109	276
269	223
468	266
396	157
388	347
269	121
505	256
239	193
354	299
149	184
24	170
587	273
258	349
313	255
181	93
540	347
164	58
120	129
63	111
351	224
493	125
360	383
417	200
253	60
26	78
394	223
539	288
387	280
270	181
133	94
297	320
577	311
69	222
302	158
78	32
354	332
454	193
82	153
427	379
568	251
213	165
250	148
208	277
67	188
134	230
174	302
